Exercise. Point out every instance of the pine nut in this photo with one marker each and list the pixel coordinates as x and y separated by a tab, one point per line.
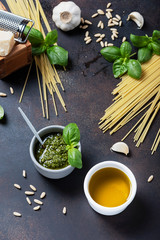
120	23
115	35
85	26
88	22
117	16
109	10
115	19
17	186
112	37
123	39
105	44
102	44
82	20
64	211
102	35
86	33
43	194
94	15
97	35
99	39
87	38
24	173
113	29
102	25
150	178
36	208
29	193
33	188
110	24
17	214
100	11
115	23
110	44
28	200
99	24
88	41
11	90
38	201
107	15
3	94
108	5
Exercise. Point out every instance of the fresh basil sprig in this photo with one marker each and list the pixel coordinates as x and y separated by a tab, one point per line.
56	54
121	60
1	112
147	45
71	135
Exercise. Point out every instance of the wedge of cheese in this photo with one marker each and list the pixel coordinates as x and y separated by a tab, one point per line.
6	43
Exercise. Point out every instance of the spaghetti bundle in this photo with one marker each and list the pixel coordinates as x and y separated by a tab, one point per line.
133	97
50	79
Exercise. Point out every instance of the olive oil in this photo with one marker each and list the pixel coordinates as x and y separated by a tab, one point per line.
109	187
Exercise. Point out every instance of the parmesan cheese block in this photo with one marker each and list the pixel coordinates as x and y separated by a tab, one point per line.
6	43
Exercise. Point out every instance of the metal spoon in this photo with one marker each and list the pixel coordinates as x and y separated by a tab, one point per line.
31	126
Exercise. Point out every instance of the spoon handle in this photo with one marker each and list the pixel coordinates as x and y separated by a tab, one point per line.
30	125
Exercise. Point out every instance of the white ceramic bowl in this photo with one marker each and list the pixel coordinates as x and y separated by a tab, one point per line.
49	173
110	210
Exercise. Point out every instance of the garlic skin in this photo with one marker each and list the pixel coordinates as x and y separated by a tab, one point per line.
120	147
137	18
66	15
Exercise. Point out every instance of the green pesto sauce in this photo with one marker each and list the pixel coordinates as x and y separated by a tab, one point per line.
54	154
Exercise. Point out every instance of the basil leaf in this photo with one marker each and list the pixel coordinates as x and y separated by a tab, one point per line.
57	55
134	68
125	49
38	50
111	53
51	38
35	36
1	112
156	47
155	35
75	158
144	54
71	134
139	41
119	68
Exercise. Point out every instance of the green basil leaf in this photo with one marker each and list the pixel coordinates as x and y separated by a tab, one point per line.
75	158
119	68
144	54
111	53
125	49
35	36
139	41
155	35
57	55
51	37
1	112
134	68
71	134
38	50
156	47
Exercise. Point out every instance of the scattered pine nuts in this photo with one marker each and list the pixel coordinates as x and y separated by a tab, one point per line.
33	188
88	41
123	39
100	11
94	15
99	39
28	200
29	193
24	174
88	22
11	90
150	178
3	94
64	211
108	5
36	208
38	201
17	214
43	194
17	186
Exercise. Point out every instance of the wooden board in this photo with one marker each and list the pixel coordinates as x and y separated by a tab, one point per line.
20	56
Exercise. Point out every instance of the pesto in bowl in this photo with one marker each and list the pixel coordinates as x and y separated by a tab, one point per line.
53	153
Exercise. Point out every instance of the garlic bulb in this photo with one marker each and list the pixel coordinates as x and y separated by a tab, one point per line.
66	15
120	147
137	18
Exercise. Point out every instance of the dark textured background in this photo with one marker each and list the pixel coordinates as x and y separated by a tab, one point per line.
88	82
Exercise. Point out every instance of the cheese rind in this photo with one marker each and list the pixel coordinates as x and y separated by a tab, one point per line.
6	43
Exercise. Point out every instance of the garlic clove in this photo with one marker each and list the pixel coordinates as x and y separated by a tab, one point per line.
120	147
137	18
